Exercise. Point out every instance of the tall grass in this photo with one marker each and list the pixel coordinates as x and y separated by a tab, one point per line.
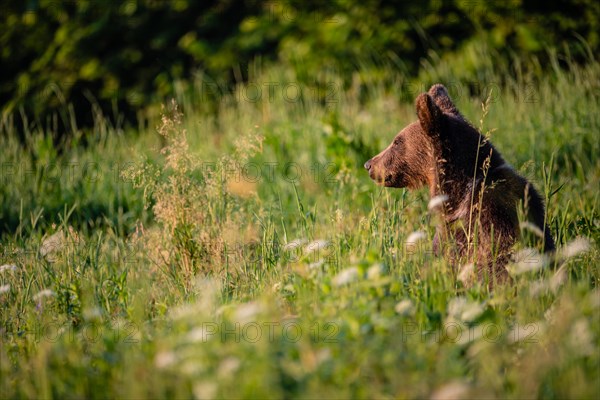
245	253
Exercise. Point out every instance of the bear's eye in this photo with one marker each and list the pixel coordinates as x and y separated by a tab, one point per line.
397	141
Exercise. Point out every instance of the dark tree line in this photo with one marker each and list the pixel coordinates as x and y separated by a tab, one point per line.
123	57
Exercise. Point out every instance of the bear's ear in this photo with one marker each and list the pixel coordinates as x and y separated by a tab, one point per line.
430	115
440	96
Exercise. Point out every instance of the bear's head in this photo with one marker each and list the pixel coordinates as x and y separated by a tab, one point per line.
441	135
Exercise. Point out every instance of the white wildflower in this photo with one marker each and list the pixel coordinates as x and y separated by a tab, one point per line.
346	276
247	312
165	359
437	202
405	307
527	260
454	390
316	265
539	287
574	248
4	289
229	366
474	333
43	293
416	237
198	335
464	310
323	355
472	312
316	245
375	271
8	267
543	286
294	244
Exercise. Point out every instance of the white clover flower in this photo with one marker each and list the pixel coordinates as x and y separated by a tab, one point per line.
316	245
43	293
247	312
437	202
464	310
229	366
294	244
316	265
198	335
415	237
405	307
527	260
4	289
8	267
575	247
323	355
538	287
375	271
472	312
456	305
346	276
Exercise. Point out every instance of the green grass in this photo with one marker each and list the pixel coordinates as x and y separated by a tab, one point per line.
174	274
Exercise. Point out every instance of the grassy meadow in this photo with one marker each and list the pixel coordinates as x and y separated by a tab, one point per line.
241	251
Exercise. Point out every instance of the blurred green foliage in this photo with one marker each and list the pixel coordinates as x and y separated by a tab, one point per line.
124	57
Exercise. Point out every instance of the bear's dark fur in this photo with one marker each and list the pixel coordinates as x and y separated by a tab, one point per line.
444	152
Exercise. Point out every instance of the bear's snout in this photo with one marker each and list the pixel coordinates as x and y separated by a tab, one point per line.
375	170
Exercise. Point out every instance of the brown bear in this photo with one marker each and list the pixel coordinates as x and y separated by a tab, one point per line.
482	193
